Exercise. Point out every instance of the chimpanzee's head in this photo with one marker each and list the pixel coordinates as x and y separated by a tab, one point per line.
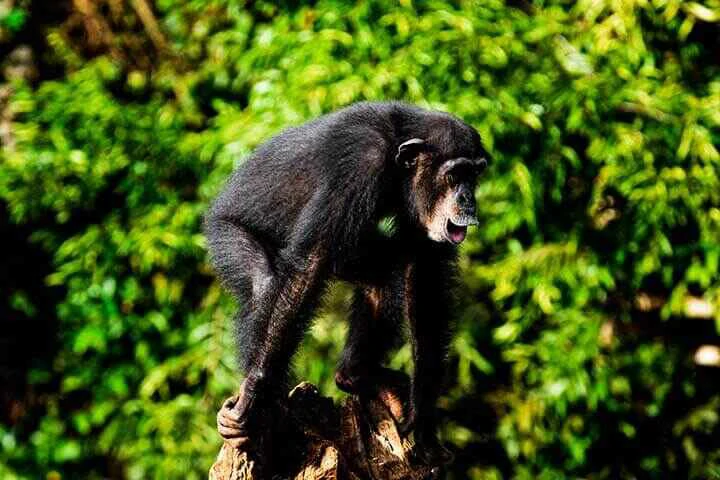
442	169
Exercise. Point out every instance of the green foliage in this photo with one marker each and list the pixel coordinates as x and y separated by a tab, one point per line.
600	218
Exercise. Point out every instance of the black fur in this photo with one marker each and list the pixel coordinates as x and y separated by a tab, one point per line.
305	208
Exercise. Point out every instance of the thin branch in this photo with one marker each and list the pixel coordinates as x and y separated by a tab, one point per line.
151	25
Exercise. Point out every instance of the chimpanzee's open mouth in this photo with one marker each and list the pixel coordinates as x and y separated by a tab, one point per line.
454	232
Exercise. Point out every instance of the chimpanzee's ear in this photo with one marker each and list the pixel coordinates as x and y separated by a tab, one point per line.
408	151
480	164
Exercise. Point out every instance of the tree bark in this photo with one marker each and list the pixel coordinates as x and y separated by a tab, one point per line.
318	440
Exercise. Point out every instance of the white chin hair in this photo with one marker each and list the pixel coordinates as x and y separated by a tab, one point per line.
436	236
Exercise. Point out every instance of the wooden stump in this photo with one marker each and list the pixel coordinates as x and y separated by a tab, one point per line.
318	440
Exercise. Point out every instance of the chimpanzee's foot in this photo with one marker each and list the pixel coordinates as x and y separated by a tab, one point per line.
389	386
350	380
359	380
230	425
242	422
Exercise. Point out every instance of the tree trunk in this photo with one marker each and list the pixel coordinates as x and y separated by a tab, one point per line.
318	440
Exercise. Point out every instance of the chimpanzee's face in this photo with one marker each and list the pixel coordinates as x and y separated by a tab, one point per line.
442	192
452	198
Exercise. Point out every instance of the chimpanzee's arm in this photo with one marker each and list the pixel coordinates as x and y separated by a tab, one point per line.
429	282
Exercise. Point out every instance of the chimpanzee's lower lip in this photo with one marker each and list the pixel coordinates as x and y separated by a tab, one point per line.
455	233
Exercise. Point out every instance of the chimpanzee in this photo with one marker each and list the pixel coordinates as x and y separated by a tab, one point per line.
376	194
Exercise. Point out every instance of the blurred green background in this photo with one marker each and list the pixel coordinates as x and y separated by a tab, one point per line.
587	342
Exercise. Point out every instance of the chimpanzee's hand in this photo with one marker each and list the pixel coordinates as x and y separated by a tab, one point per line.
409	420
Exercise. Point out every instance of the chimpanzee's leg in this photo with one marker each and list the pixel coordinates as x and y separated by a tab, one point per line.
245	268
280	319
286	309
374	331
276	300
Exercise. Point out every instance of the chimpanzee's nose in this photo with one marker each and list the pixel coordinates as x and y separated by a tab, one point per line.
464	198
465	201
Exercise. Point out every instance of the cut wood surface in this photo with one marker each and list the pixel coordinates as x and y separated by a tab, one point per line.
318	440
